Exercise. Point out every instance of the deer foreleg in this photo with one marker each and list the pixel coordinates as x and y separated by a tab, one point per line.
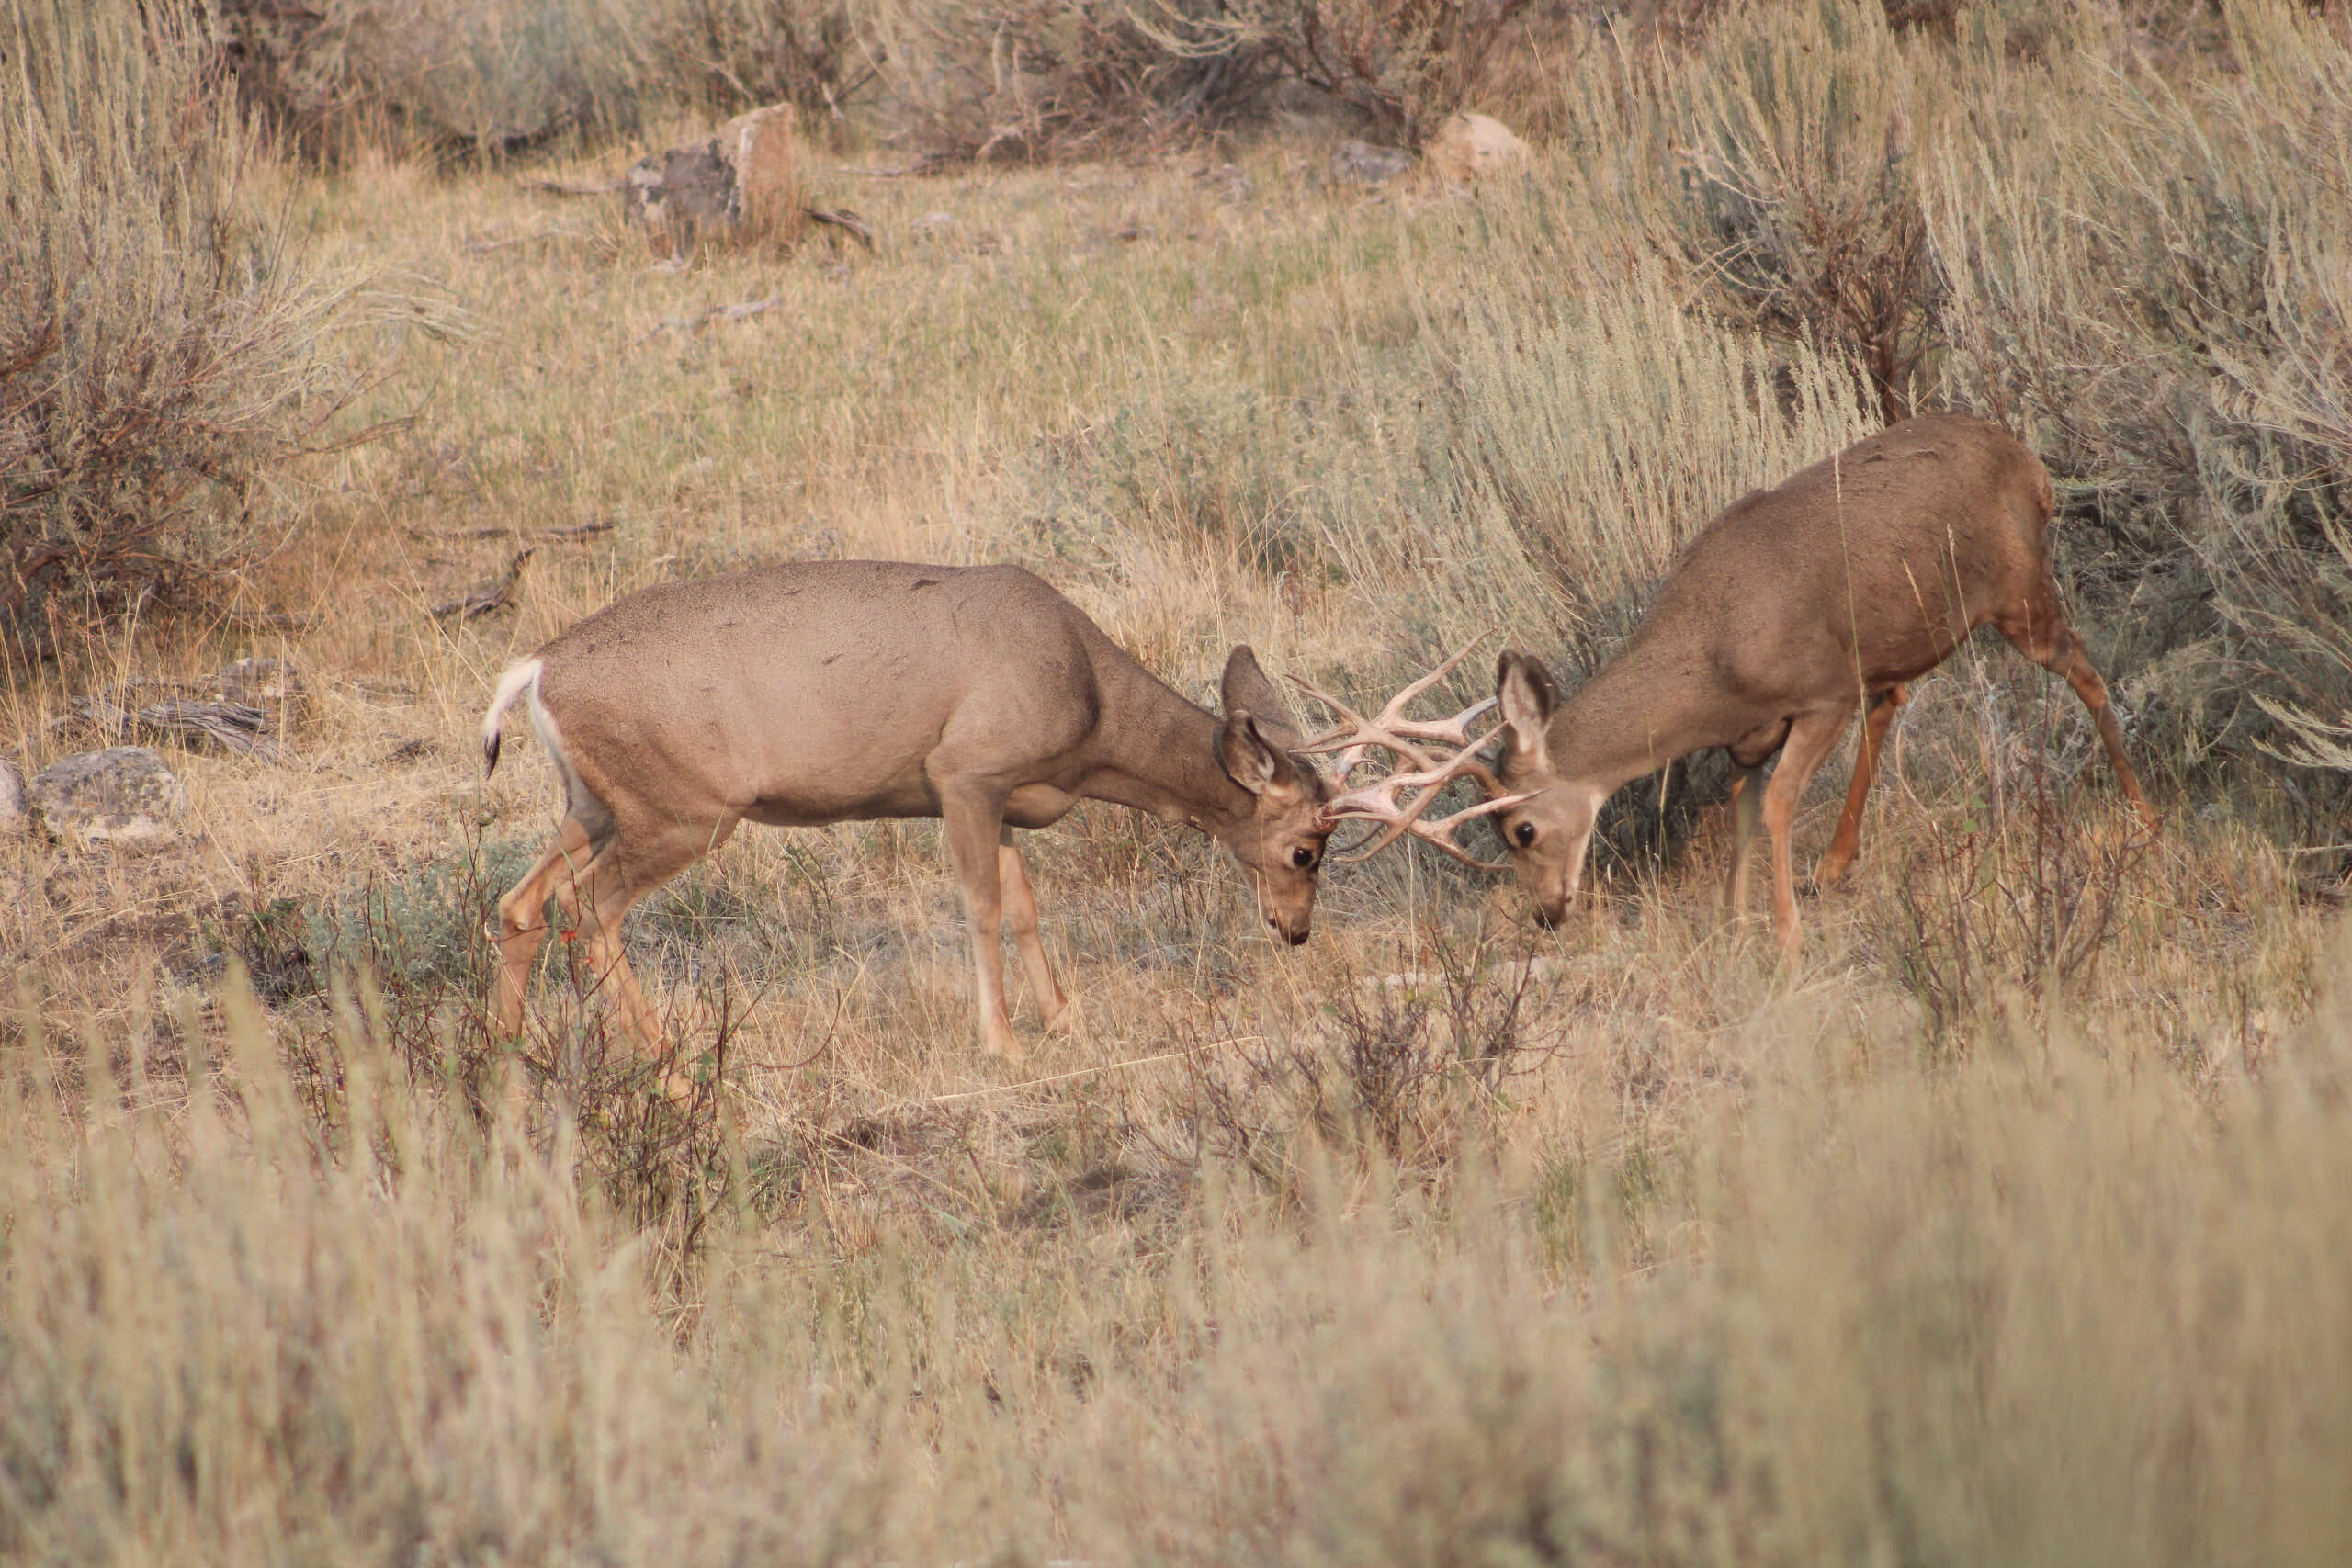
1746	807
974	820
1021	914
1811	739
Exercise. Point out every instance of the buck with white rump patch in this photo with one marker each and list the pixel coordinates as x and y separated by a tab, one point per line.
1791	609
797	695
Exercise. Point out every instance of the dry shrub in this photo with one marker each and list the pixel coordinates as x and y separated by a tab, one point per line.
1777	161
740	54
163	346
491	77
495	78
1402	1070
2006	896
2150	276
1045	78
1403	65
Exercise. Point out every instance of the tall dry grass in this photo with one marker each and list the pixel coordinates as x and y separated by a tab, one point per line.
2042	1307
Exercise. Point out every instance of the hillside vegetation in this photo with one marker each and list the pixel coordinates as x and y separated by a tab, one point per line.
2008	1226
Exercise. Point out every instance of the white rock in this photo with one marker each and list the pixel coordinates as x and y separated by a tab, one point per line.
1471	147
123	795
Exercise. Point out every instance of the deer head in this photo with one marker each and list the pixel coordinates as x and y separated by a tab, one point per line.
1280	844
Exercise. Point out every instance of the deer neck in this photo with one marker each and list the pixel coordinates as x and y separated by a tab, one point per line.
1156	752
1633	718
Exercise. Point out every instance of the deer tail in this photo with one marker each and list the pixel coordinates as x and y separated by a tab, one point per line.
511	685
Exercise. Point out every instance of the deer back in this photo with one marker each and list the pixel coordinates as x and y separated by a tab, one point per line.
815	691
1864	570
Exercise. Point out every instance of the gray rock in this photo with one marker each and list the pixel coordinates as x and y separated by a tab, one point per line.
123	795
1365	163
12	797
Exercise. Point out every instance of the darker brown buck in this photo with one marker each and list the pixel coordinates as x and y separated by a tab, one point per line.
828	692
1795	607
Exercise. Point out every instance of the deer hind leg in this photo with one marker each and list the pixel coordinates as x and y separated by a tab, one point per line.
1848	840
974	818
2041	634
1021	914
522	920
602	896
1747	814
1811	739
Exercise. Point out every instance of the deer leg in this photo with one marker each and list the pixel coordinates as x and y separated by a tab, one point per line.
1811	739
523	922
2042	635
1848	840
1021	914
1746	807
603	895
974	820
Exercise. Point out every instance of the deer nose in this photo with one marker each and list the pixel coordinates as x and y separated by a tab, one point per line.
1548	919
1297	939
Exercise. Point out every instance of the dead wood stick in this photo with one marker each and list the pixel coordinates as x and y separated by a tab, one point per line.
483	247
587	530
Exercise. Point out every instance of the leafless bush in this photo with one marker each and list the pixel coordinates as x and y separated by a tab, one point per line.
1042	78
1033	79
1405	1061
740	54
2150	276
162	344
2014	889
1403	65
1783	159
484	77
403	959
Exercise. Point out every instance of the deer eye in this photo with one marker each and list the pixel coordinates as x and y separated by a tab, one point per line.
1302	857
1524	833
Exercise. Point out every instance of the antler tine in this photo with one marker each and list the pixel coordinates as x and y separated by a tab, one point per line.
1395	712
1390	730
1455	731
1441	832
1355	736
1377	802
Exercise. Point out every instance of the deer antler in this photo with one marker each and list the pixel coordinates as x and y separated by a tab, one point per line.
1377	802
1391	730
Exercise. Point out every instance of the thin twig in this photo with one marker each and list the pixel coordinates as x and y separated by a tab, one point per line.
483	247
587	530
1064	1077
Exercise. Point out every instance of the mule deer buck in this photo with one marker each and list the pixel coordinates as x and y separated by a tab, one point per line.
802	694
1790	610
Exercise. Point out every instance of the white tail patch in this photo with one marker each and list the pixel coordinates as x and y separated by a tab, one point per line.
510	685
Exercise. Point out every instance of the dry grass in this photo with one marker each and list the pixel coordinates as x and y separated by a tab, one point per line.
2008	1228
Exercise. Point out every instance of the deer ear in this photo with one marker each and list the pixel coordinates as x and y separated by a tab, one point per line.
1524	691
1252	761
1246	690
